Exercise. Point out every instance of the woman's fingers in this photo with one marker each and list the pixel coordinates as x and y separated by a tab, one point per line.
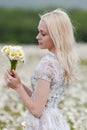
15	75
8	75
7	80
12	79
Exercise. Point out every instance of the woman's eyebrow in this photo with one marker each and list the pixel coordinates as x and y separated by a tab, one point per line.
41	30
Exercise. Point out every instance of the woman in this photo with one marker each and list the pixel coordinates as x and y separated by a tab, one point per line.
52	76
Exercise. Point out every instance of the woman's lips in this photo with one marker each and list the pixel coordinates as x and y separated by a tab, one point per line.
39	43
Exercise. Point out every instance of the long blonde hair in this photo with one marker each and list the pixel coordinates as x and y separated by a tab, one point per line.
61	31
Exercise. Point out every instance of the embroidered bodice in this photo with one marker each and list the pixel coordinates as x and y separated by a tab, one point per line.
49	69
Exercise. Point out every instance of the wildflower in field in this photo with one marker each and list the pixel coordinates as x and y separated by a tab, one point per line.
14	54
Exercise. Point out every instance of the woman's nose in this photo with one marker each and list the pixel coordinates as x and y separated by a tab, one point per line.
38	36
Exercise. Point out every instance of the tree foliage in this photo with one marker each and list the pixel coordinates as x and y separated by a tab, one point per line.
20	25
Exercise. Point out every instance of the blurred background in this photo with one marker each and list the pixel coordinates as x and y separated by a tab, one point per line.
19	18
18	26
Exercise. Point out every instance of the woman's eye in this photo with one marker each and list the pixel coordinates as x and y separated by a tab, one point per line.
43	34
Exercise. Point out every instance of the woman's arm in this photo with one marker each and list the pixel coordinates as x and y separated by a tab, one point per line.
35	105
29	92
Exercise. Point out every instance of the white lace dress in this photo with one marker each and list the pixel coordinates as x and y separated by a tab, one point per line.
51	119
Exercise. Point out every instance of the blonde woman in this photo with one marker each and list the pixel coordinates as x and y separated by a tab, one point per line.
55	72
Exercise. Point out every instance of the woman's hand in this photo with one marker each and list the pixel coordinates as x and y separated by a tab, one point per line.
12	79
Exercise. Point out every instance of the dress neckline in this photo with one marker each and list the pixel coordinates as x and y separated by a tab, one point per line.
53	54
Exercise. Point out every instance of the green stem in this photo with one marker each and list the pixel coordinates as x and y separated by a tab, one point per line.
13	64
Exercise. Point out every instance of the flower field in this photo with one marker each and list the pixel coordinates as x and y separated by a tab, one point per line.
73	105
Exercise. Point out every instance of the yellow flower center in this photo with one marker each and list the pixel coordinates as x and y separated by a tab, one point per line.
13	54
7	51
20	54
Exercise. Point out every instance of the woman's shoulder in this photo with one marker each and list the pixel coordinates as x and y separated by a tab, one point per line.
49	58
46	68
49	62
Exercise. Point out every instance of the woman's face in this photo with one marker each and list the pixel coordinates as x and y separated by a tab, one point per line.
43	37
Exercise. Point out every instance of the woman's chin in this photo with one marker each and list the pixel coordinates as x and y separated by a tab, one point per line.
41	47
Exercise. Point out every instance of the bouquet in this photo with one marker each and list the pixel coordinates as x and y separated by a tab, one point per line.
14	54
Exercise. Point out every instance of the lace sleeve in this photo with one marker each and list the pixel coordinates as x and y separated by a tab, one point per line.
46	70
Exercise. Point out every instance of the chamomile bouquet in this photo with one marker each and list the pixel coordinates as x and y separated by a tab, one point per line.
14	54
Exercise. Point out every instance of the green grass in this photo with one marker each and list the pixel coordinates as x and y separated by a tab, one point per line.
83	62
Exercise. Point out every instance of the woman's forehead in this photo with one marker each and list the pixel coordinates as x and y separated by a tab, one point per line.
42	26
